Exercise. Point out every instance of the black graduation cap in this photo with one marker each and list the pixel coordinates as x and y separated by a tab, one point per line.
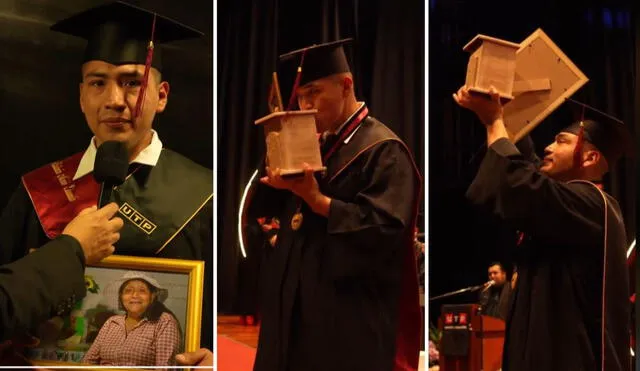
318	61
607	133
120	33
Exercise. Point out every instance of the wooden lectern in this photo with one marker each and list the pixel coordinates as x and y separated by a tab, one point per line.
470	341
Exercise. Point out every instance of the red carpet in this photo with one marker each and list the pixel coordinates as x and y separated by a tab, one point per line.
234	356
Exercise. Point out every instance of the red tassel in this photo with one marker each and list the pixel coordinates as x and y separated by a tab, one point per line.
297	82
147	68
577	153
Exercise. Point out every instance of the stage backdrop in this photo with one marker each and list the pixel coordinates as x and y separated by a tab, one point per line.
388	66
602	41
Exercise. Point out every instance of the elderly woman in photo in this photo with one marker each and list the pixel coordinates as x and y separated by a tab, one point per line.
147	335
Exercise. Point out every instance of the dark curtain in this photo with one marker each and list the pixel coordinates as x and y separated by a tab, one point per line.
247	41
387	59
398	85
598	36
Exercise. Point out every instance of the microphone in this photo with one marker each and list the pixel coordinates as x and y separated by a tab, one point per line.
487	285
110	168
484	287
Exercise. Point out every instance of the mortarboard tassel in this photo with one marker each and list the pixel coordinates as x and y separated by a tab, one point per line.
297	82
275	101
147	68
577	152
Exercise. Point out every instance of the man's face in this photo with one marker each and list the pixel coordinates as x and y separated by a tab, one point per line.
558	159
108	96
497	275
327	95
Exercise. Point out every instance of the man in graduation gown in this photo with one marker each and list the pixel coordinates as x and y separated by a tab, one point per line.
570	308
166	199
340	289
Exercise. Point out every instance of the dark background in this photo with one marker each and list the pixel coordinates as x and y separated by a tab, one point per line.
40	117
387	60
600	37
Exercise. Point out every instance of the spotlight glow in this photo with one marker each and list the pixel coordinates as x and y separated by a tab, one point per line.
242	201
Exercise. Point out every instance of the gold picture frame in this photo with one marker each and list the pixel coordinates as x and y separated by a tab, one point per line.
168	272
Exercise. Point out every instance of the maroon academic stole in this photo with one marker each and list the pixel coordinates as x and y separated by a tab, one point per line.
56	197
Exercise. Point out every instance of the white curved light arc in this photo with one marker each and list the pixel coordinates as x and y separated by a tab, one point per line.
242	201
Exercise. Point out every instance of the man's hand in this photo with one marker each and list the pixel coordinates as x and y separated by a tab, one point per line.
96	231
201	357
305	187
488	109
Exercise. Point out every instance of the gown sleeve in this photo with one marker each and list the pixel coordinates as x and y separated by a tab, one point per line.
366	231
510	186
46	282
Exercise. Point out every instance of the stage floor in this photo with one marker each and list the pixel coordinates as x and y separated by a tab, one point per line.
232	327
237	345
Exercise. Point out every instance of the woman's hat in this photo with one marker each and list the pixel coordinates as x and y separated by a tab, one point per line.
111	297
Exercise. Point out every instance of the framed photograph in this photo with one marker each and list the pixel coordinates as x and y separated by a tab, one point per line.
116	288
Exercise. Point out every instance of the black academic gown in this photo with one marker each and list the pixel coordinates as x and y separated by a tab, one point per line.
247	302
33	289
20	228
556	315
331	289
495	301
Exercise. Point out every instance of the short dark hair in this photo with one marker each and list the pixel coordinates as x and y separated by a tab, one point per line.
498	264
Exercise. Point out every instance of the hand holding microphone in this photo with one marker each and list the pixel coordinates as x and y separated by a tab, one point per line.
96	228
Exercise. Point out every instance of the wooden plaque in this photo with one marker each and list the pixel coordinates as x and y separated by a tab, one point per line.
291	140
492	63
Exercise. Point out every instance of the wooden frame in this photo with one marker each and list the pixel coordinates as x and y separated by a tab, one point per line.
173	274
545	76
